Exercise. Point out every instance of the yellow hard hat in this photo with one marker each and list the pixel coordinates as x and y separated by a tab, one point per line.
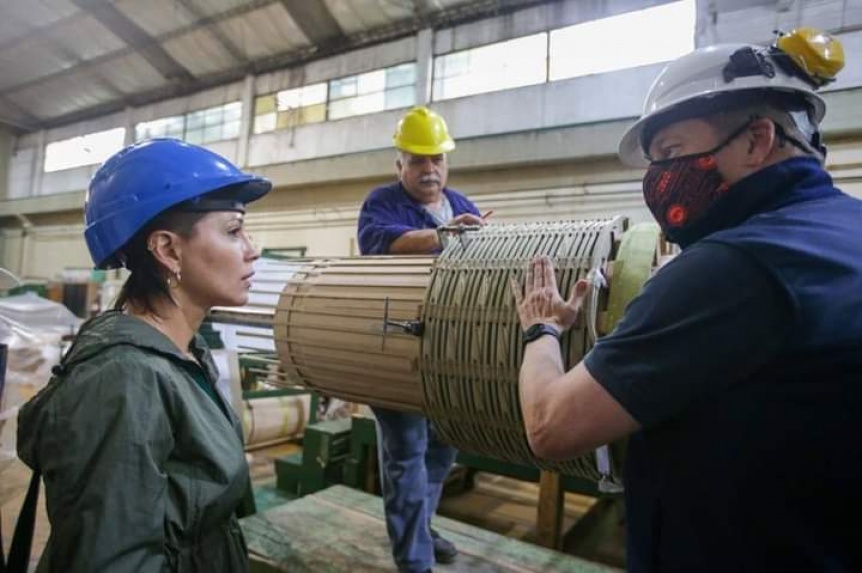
817	53
423	132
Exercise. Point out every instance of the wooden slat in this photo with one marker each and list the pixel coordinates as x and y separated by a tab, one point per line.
549	521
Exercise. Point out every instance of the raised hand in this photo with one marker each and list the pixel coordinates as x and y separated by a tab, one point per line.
540	300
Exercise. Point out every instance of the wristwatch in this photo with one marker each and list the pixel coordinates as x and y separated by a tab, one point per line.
537	331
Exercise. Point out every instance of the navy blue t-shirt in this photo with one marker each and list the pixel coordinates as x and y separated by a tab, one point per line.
709	318
388	212
742	360
706	321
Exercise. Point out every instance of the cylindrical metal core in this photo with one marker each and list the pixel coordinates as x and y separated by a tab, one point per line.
441	335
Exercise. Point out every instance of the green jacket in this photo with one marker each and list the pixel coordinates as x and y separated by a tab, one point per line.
143	471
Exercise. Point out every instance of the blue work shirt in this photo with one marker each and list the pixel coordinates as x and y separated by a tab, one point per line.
389	211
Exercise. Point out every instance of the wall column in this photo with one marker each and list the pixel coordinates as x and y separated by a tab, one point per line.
424	65
129	124
38	165
246	122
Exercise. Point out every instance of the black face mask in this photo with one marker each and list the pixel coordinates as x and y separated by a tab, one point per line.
681	191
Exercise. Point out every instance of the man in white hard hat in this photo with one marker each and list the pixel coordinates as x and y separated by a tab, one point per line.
737	371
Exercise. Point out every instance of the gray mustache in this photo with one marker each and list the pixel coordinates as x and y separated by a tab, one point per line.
429	180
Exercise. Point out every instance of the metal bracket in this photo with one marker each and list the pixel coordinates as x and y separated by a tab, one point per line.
608	482
414	327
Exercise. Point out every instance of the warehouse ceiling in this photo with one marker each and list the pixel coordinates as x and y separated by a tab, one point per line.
66	60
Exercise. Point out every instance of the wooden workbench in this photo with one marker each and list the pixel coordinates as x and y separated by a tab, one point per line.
342	529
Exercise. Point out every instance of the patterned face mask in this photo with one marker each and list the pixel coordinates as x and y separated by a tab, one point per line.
680	191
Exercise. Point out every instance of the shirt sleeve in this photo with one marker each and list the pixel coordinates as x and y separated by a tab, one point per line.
379	226
704	322
103	469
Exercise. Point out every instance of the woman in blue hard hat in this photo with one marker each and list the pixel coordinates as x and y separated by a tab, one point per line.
142	459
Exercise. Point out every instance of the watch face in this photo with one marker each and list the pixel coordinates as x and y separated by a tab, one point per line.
534	330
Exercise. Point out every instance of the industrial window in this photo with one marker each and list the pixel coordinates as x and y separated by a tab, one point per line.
289	108
611	43
388	88
164	127
90	149
500	66
213	124
203	126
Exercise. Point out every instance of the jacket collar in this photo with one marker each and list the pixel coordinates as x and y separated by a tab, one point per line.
790	181
114	328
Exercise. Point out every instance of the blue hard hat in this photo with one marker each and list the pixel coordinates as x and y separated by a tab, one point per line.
137	183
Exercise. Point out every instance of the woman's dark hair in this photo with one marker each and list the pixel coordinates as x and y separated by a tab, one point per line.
147	281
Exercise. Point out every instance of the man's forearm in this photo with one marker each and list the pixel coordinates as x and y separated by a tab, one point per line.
417	242
566	413
542	365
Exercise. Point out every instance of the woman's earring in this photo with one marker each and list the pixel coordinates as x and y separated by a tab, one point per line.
174	279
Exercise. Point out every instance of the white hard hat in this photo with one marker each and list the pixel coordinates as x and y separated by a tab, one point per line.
711	79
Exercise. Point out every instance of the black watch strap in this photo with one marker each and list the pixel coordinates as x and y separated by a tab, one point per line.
537	331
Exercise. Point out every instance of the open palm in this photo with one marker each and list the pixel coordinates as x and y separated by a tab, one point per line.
540	301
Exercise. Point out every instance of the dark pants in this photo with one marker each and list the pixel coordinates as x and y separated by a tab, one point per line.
414	464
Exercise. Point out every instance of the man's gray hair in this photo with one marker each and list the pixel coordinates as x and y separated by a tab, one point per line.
794	127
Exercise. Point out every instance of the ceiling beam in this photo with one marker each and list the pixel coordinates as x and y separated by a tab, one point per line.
449	17
128	31
314	19
101	81
423	7
35	32
222	38
240	10
14	115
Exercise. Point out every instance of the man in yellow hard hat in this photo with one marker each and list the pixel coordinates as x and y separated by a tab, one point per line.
405	218
738	369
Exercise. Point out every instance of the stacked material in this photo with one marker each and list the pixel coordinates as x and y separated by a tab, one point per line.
33	329
270	420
